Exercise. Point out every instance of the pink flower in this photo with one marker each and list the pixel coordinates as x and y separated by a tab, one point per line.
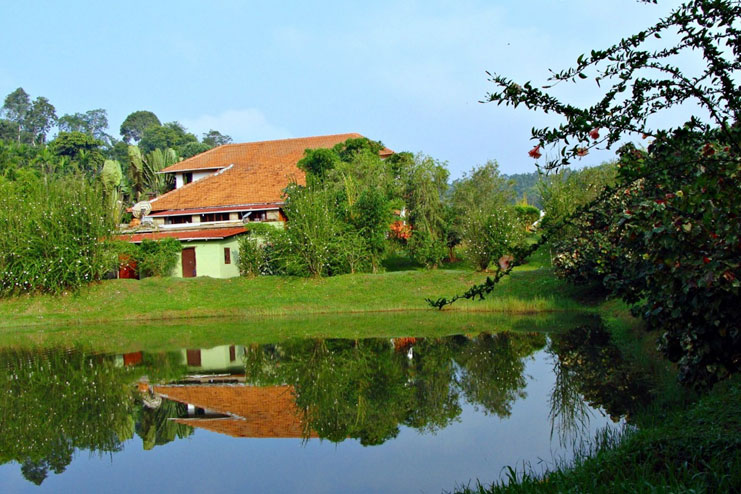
535	152
582	152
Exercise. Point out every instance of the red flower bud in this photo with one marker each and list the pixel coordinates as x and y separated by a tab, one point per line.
594	134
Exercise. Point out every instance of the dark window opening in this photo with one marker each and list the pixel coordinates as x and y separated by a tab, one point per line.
205	218
258	216
227	255
178	220
187	178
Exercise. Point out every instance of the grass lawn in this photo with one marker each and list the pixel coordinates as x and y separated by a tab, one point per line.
531	289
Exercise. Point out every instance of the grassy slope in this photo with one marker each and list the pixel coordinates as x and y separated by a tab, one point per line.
529	290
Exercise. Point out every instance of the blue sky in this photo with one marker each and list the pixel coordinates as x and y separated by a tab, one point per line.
408	73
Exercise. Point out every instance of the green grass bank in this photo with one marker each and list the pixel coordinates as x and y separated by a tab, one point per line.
531	289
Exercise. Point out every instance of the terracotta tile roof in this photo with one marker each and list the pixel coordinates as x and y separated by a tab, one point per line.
259	173
254	411
204	234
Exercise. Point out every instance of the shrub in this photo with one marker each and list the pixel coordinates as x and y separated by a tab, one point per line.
527	214
157	258
54	233
426	249
257	252
490	236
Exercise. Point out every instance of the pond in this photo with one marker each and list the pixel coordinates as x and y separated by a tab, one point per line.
422	413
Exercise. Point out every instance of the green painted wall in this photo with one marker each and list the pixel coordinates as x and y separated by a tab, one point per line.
218	359
210	258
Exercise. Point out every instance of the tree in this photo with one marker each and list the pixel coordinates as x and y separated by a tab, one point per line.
170	135
136	123
143	169
16	107
92	122
425	185
214	138
39	120
679	231
81	149
484	215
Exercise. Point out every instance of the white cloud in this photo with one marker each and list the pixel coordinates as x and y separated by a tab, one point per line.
243	125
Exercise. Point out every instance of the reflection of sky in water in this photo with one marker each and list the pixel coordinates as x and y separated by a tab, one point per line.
476	446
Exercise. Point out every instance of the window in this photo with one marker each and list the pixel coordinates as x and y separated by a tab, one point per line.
187	178
227	255
178	220
205	218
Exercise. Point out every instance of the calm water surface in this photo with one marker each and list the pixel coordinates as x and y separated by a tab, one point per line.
365	415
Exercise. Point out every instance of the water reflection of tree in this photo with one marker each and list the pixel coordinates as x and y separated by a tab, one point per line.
492	369
366	389
56	401
590	368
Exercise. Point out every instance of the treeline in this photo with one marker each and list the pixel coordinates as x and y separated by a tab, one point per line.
82	145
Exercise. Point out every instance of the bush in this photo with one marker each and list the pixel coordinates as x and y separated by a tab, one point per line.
257	252
488	237
527	215
425	249
54	234
157	258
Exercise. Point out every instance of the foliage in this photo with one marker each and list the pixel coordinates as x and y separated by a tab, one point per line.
170	135
676	242
53	234
133	127
15	108
309	245
425	183
255	251
60	400
527	214
214	138
193	148
92	122
81	149
564	191
157	258
111	177
30	121
367	388
317	162
486	221
143	170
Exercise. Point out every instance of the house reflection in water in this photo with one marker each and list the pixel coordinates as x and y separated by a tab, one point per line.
238	410
218	399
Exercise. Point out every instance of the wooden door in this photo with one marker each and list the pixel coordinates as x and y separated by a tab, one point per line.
189	262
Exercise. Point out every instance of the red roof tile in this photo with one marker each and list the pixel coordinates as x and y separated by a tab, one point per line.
205	234
259	173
